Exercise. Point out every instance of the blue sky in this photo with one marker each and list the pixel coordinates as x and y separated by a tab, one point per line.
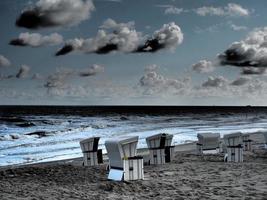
172	75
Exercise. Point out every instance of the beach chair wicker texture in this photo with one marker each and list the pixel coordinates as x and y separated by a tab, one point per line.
247	142
160	149
208	141
91	154
234	143
122	156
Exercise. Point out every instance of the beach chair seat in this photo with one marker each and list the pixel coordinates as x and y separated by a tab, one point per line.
247	142
91	154
124	164
160	149
208	142
234	143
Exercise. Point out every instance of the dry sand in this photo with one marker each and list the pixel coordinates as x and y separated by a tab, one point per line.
189	176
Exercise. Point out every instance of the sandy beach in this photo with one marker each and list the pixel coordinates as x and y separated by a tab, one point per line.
189	176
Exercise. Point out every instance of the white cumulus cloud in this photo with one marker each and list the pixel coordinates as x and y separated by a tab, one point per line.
249	54
232	10
23	71
4	62
37	40
203	66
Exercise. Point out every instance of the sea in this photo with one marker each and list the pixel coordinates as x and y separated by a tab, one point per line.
34	134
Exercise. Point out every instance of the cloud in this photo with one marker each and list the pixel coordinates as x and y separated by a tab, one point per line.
204	11
250	54
23	71
217	27
37	40
173	10
55	13
37	76
112	24
4	77
240	81
4	62
231	10
58	82
58	79
115	1
151	68
253	71
124	38
238	28
203	66
219	81
168	37
154	83
91	71
69	47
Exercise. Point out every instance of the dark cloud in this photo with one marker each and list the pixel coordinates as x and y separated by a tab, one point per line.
52	13
152	45
253	71
240	81
31	19
17	42
125	38
107	49
65	50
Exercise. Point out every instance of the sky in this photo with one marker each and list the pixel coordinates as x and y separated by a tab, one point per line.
125	52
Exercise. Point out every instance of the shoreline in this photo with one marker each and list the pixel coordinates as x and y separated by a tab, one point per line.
189	176
187	147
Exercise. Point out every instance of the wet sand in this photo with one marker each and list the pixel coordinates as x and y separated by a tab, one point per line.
189	176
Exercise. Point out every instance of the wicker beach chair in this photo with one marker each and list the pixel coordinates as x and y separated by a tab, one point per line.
91	154
124	164
234	143
208	143
247	142
160	149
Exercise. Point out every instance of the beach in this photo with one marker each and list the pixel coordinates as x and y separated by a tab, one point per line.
189	176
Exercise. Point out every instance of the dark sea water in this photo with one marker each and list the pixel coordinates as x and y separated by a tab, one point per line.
30	134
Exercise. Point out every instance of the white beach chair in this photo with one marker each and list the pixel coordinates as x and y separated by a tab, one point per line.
208	143
160	149
234	143
247	142
91	154
123	162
